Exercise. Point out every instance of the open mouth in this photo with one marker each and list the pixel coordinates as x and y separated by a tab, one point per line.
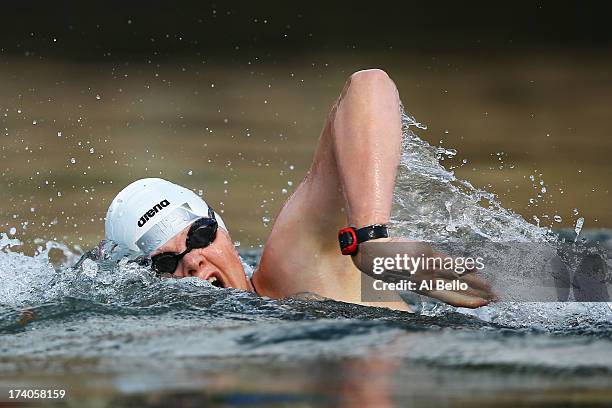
216	280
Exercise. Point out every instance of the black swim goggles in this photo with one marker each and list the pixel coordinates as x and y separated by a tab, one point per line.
201	234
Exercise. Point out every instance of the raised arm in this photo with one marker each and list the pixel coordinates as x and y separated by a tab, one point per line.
350	182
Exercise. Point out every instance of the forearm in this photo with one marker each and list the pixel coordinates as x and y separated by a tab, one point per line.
367	138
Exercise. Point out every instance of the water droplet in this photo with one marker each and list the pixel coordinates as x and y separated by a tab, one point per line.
13	230
34	122
284	191
98	97
236	243
59	134
557	218
91	150
265	220
290	183
543	189
72	160
190	172
578	227
575	210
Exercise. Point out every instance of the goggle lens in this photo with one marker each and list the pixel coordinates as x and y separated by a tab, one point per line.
201	234
165	263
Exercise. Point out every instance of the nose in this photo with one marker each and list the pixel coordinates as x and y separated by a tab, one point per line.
194	264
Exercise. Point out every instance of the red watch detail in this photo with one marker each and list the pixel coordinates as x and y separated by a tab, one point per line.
348	241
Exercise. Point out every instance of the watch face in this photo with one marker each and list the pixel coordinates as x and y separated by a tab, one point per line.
346	239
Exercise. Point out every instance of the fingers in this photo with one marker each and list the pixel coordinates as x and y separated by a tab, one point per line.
452	264
477	287
457	299
476	282
478	292
481	287
489	296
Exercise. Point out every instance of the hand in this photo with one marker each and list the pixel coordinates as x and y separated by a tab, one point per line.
478	292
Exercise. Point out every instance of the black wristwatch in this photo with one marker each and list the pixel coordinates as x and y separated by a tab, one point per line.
350	237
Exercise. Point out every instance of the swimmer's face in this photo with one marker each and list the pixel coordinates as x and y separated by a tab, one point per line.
218	263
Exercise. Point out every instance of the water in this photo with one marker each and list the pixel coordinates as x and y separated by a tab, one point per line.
114	333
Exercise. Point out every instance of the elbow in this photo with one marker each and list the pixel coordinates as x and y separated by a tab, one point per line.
374	75
371	81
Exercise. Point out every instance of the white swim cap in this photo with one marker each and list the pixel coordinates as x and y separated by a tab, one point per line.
149	212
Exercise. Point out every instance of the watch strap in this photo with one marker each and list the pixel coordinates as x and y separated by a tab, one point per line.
373	231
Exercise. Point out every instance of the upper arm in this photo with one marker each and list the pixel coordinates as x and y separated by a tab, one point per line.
303	241
316	208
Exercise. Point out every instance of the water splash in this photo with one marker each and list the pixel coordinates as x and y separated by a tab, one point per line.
430	204
578	227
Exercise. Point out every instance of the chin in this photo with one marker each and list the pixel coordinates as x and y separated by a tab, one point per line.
232	277
239	282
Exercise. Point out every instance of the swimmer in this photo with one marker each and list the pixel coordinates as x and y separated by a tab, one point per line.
348	188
